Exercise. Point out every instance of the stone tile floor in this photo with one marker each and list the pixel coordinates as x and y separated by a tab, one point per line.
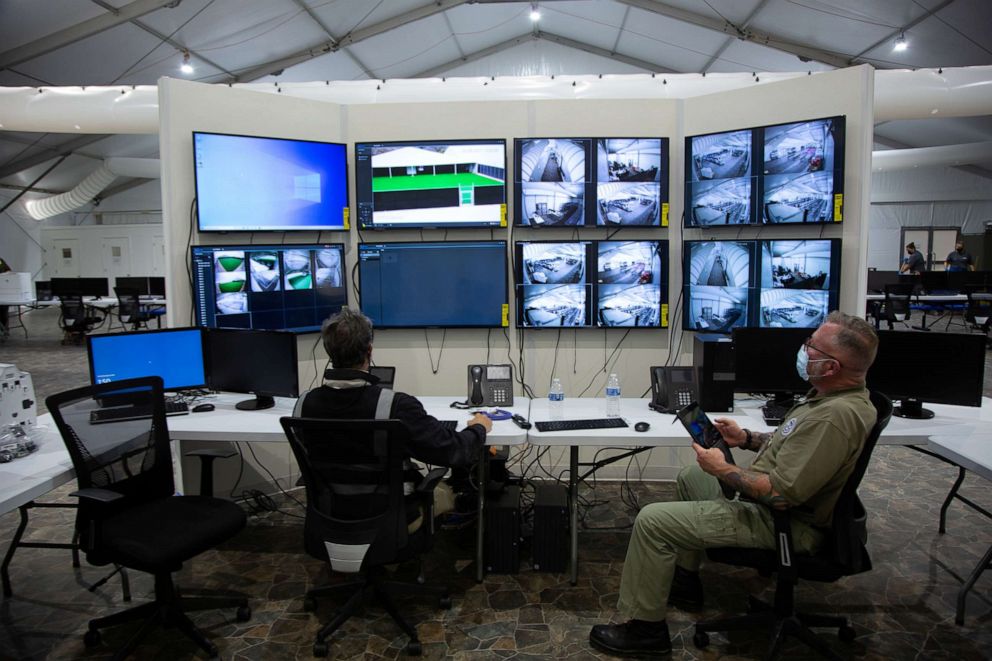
902	609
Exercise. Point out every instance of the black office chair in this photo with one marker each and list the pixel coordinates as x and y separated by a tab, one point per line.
131	311
843	554
127	512
978	312
897	304
358	518
76	319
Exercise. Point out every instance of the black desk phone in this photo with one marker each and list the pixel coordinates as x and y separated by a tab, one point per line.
490	385
673	388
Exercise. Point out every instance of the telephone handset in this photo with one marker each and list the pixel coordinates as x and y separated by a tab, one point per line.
673	388
490	385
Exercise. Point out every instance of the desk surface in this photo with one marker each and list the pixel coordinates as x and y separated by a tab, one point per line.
22	480
970	451
102	303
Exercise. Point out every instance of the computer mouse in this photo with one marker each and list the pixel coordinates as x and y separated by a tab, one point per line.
203	408
640	426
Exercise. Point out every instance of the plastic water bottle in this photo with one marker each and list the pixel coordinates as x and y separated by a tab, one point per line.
556	400
613	396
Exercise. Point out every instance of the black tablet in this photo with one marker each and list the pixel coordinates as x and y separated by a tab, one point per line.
699	426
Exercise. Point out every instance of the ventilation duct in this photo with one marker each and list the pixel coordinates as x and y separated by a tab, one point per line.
90	187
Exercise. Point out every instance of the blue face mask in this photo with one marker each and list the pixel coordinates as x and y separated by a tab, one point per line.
802	364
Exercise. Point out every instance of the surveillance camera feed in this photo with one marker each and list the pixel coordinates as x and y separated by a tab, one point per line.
718	283
802	166
800	147
803	198
718	179
630	278
452	183
555	287
798	281
628	188
721	202
268	287
551	181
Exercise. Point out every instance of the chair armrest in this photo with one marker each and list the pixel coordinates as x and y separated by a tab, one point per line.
207	456
98	496
783	544
431	480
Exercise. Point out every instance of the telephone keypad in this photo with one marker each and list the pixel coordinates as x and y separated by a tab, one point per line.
685	398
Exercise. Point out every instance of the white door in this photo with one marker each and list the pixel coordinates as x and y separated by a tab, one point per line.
943	244
117	256
64	260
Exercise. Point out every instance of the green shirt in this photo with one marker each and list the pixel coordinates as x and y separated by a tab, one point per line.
813	452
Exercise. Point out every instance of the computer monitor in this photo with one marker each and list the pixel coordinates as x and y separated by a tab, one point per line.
137	285
719	179
255	184
450	284
916	367
631	288
156	286
719	285
803	171
554	181
800	282
386	375
263	363
80	287
175	354
554	287
765	361
431	184
290	287
878	279
631	182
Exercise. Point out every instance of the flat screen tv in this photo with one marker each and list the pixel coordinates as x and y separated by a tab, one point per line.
803	171
585	284
290	287
719	283
800	282
719	179
431	184
451	284
257	184
612	182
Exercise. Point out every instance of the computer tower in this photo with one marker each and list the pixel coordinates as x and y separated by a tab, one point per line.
714	356
550	545
502	533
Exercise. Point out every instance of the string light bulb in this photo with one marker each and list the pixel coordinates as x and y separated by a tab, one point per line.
535	13
186	67
901	43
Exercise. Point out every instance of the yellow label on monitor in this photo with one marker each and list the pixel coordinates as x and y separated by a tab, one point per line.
502	218
346	217
506	315
664	214
664	314
838	207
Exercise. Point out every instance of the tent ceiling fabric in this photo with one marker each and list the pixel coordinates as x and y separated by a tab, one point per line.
135	42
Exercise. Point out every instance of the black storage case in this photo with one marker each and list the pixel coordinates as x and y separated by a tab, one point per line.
550	546
502	534
713	355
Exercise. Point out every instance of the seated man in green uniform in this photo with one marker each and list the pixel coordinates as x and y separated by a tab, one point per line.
803	465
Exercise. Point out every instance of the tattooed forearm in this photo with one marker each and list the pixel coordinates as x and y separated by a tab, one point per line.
758	440
754	485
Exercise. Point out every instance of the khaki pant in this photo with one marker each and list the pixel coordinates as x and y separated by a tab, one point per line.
666	534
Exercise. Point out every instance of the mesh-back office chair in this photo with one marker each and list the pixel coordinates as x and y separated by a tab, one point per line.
897	304
75	319
843	554
358	518
979	309
127	512
131	311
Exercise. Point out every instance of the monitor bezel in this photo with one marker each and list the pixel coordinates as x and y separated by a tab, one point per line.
764	330
590	282
342	227
502	222
156	331
364	244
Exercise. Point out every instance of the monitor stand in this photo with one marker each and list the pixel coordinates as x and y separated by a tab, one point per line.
913	409
260	402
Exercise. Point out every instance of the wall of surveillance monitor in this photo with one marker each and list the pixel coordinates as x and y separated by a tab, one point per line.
584	284
781	174
765	283
606	182
268	287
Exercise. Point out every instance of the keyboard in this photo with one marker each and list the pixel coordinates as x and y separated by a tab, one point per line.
575	425
773	413
139	412
449	424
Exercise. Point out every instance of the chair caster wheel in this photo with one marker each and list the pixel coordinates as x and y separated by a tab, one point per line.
309	604
243	614
847	634
700	639
320	648
413	648
445	603
91	638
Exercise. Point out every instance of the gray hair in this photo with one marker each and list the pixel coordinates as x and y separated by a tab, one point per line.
347	337
856	337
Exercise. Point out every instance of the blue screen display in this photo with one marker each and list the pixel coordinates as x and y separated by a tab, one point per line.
176	355
419	285
250	184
